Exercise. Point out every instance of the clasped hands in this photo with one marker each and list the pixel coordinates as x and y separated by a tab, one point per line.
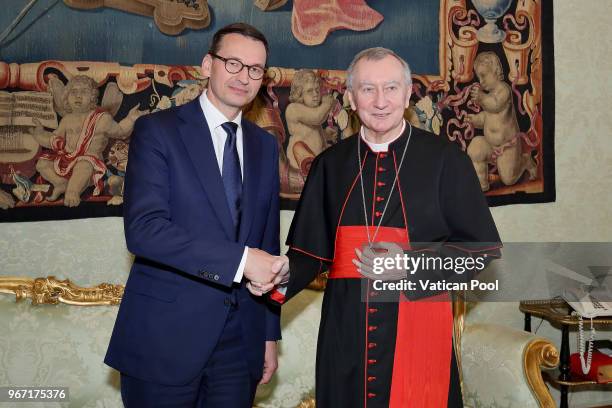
264	271
378	261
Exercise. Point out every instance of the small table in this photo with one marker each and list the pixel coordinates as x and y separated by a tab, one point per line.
558	311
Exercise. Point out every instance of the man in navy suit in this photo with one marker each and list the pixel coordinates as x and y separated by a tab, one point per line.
201	196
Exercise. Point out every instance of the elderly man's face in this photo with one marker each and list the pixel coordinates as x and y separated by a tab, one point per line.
379	96
231	92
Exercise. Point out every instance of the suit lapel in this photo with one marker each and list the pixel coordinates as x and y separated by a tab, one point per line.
252	156
198	141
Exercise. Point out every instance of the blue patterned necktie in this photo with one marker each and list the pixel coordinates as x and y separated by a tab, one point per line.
231	174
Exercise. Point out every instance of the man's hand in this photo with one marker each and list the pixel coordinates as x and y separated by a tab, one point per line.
258	266
281	268
270	362
380	251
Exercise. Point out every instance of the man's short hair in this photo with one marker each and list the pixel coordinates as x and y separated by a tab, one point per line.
376	54
244	29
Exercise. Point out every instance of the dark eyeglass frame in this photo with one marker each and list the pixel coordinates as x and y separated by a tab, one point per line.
242	65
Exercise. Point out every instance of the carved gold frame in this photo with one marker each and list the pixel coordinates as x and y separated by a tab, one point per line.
52	291
537	354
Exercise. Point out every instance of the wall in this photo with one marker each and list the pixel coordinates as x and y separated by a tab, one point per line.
583	154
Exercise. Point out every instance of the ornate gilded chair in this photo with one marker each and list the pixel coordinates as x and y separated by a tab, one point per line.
502	366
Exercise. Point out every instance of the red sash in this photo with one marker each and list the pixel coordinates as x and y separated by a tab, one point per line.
423	347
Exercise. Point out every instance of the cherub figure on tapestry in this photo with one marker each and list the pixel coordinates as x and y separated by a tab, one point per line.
305	115
76	158
501	144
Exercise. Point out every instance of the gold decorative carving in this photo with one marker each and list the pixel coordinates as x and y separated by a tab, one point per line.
52	291
307	403
540	353
459	312
319	282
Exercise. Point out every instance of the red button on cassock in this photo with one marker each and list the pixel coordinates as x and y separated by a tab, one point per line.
371	361
371	345
381	169
372	328
381	183
371	395
383	155
370	379
378	213
372	310
379	199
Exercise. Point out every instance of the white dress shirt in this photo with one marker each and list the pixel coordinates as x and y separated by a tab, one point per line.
215	119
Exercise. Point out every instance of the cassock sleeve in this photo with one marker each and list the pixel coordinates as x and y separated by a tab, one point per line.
472	231
312	232
313	227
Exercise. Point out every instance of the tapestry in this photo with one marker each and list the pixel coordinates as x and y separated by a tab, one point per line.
487	85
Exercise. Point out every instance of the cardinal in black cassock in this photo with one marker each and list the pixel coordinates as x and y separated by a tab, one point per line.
391	183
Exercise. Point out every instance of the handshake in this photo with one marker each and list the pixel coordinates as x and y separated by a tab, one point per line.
265	271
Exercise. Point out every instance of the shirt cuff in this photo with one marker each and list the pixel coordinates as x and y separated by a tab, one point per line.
240	271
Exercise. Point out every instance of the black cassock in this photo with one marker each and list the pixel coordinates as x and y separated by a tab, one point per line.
386	354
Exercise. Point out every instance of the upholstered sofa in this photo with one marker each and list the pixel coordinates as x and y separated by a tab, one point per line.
64	344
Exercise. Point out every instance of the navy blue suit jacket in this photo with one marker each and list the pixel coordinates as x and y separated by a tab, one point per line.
178	226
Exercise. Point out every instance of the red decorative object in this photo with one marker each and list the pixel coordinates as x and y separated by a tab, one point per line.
313	20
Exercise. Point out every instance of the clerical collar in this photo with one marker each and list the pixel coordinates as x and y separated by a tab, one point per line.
381	147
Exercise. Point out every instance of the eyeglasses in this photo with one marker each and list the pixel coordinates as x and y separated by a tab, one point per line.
234	66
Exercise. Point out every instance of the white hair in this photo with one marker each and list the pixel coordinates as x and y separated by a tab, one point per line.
376	54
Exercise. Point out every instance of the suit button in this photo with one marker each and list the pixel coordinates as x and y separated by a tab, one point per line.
202	274
227	301
216	277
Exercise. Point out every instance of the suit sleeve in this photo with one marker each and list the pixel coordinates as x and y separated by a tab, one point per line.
149	230
271	244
